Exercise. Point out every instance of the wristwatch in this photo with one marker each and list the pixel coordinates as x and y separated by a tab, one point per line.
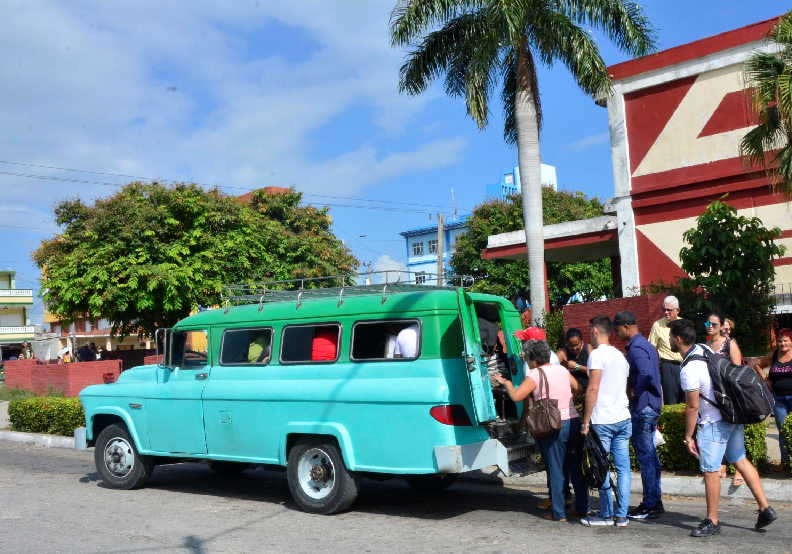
685	442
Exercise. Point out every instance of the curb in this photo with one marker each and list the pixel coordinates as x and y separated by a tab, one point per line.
50	441
777	490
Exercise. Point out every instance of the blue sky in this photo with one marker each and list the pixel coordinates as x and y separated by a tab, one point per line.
258	93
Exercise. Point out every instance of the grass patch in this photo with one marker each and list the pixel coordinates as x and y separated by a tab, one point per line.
12	394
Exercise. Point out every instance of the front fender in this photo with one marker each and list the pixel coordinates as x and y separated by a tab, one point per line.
333	429
116	411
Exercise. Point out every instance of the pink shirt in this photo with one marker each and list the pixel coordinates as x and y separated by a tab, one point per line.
560	389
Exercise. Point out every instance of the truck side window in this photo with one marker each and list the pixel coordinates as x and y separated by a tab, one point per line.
190	349
246	347
386	340
310	343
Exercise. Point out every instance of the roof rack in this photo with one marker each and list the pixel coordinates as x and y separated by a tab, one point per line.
340	286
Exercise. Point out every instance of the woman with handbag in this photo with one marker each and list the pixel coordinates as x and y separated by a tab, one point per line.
553	421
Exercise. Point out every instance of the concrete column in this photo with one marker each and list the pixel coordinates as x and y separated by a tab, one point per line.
622	201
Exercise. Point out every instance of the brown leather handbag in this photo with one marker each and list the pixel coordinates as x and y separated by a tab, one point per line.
542	417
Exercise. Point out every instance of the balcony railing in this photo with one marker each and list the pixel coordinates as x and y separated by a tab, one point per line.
15	293
19	330
782	293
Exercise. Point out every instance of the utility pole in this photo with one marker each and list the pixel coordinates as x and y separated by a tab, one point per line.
440	248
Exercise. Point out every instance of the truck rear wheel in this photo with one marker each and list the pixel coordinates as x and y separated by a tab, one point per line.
318	480
117	459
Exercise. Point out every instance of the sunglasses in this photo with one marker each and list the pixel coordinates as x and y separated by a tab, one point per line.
709	324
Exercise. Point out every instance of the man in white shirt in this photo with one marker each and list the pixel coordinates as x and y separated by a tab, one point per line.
715	438
407	342
607	412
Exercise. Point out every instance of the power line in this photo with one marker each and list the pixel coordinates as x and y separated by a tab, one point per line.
152	179
106	183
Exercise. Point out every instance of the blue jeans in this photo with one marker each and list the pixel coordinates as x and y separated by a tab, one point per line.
615	439
562	461
783	407
644	424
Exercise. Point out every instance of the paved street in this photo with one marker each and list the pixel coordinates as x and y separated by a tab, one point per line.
50	501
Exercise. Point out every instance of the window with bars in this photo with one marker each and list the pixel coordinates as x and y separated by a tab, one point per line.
433	246
418	249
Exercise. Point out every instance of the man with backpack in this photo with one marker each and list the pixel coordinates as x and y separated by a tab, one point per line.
715	435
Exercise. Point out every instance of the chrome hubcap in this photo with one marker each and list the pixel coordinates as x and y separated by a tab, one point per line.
119	458
316	473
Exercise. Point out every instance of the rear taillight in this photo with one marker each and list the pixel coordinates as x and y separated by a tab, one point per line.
450	415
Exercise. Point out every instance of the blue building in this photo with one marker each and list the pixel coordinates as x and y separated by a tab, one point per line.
421	243
510	182
421	246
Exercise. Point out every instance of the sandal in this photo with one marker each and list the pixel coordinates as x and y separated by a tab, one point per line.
737	480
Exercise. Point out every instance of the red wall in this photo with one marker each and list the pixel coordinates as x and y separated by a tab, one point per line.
69	379
647	310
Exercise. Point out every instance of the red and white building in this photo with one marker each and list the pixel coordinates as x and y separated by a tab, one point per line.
676	119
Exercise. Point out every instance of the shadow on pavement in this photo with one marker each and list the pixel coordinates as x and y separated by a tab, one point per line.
390	497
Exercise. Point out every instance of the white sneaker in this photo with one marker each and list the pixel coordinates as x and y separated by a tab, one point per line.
595	521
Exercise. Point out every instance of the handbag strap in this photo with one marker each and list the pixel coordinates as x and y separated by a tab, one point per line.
542	381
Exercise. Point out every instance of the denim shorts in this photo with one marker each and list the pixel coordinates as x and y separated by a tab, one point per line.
716	440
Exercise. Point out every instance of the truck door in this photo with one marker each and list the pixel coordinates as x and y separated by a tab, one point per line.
481	391
175	414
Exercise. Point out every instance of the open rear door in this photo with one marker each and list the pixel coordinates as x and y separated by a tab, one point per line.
481	391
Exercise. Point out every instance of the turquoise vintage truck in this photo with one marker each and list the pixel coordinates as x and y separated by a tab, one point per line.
312	380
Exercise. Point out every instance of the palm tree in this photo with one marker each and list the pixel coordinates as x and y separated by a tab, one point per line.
480	44
769	78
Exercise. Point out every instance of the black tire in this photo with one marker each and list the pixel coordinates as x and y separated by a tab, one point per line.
117	459
228	469
431	483
340	485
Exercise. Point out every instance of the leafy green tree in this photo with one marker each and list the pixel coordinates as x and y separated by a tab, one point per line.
482	45
509	277
146	256
769	79
729	262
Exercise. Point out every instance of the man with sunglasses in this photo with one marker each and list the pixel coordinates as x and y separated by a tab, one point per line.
659	337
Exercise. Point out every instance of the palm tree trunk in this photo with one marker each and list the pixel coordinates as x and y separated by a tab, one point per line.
527	123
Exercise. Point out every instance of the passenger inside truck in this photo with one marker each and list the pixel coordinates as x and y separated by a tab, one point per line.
494	349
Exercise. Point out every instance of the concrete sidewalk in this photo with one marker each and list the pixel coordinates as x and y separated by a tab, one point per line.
777	490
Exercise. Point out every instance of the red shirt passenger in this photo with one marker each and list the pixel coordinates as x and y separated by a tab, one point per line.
325	344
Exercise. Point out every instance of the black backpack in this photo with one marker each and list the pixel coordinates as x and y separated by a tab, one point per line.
741	395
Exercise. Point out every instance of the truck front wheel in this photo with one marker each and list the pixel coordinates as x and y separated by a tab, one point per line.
117	459
318	480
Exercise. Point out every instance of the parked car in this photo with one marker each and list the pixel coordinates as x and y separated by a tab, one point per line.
328	386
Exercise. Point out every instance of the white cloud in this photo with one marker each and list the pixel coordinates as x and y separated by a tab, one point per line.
179	90
589	141
386	263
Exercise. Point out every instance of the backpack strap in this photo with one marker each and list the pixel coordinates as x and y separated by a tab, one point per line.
701	358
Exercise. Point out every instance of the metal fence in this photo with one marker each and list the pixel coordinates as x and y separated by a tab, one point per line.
782	294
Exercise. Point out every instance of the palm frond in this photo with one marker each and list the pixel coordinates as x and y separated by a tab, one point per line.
410	19
438	51
623	21
768	77
556	37
782	32
509	97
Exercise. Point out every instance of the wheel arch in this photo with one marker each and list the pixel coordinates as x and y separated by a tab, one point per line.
105	417
334	431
